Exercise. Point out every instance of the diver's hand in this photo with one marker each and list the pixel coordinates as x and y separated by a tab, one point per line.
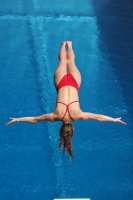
119	120
12	120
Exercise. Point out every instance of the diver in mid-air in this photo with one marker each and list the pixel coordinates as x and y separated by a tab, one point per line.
67	81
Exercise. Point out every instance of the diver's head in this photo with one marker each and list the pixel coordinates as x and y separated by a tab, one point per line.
66	134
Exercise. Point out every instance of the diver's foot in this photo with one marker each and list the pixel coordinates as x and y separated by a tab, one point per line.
69	43
63	43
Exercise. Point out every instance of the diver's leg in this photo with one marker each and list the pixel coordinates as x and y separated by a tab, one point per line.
62	67
71	67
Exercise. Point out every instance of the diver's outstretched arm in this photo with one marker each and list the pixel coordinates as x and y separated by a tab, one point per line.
47	117
102	118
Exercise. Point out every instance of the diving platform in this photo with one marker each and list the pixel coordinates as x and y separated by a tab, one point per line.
74	199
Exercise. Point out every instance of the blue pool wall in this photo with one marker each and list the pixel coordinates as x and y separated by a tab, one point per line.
118	17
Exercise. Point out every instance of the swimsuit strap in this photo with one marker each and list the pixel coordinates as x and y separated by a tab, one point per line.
72	102
67	109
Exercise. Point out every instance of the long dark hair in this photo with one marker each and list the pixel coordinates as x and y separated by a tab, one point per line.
66	133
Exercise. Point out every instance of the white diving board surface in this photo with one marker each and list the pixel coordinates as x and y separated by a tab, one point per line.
74	199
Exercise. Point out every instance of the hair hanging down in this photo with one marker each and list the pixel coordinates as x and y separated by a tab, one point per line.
66	133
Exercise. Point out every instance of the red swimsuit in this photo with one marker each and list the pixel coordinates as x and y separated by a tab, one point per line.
67	79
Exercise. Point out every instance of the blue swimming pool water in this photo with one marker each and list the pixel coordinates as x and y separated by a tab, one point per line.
31	167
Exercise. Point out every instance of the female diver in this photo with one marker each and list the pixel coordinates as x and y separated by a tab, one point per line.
67	81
